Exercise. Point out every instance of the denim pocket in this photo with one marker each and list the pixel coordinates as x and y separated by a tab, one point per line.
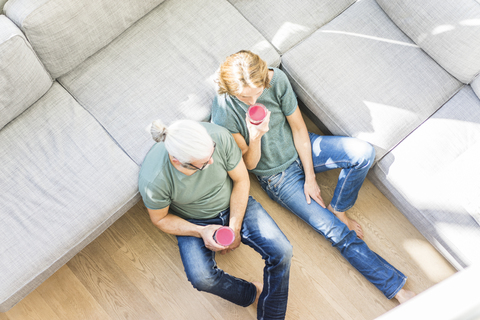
277	179
273	182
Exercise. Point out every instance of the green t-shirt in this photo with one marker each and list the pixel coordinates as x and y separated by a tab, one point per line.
278	149
204	194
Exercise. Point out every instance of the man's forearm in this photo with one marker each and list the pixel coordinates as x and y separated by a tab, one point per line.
175	225
238	203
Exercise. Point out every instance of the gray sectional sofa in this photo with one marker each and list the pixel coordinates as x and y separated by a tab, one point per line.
81	82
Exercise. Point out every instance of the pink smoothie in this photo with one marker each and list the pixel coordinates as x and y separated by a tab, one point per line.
224	236
257	113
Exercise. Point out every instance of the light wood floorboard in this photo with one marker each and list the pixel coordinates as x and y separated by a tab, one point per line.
134	271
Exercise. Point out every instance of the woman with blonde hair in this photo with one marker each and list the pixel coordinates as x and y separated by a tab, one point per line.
285	157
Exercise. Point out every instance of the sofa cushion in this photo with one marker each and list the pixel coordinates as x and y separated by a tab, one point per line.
433	178
362	77
23	79
448	30
285	23
66	32
162	68
63	181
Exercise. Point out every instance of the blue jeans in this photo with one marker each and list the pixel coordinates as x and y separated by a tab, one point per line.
260	232
354	157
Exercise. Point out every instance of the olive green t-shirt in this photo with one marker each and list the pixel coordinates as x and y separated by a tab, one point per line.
278	150
204	194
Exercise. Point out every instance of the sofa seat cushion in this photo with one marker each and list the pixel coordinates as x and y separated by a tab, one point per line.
163	68
433	178
285	23
66	32
448	30
63	181
362	77
23	79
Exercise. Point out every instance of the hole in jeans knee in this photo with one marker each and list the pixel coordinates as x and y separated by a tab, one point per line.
203	284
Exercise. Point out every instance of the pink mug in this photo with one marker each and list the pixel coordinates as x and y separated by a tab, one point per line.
256	113
224	236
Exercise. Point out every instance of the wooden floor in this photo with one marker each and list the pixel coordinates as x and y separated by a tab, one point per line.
134	271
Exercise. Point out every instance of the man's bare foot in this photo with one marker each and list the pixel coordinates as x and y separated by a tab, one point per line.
404	295
351	224
259	286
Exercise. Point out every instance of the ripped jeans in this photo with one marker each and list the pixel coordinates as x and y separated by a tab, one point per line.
354	157
260	232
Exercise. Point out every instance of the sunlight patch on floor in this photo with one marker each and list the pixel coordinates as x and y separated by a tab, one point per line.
427	259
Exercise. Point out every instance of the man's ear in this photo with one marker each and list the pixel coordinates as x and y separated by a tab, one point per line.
175	160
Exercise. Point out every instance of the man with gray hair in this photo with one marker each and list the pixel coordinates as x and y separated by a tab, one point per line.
193	181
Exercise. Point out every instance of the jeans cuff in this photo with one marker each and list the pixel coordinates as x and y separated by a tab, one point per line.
398	289
342	210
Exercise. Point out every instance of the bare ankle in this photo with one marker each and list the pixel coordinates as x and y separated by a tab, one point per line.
335	211
351	224
404	295
259	287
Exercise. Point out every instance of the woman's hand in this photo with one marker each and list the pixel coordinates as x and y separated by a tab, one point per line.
257	131
312	190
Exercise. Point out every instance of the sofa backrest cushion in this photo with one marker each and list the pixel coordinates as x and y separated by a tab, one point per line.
285	22
448	30
66	32
163	67
23	79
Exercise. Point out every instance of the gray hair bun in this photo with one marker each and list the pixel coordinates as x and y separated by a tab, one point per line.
159	131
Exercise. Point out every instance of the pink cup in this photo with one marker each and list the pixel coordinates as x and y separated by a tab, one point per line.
224	236
256	113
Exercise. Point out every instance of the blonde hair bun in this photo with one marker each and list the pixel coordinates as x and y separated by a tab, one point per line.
159	131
